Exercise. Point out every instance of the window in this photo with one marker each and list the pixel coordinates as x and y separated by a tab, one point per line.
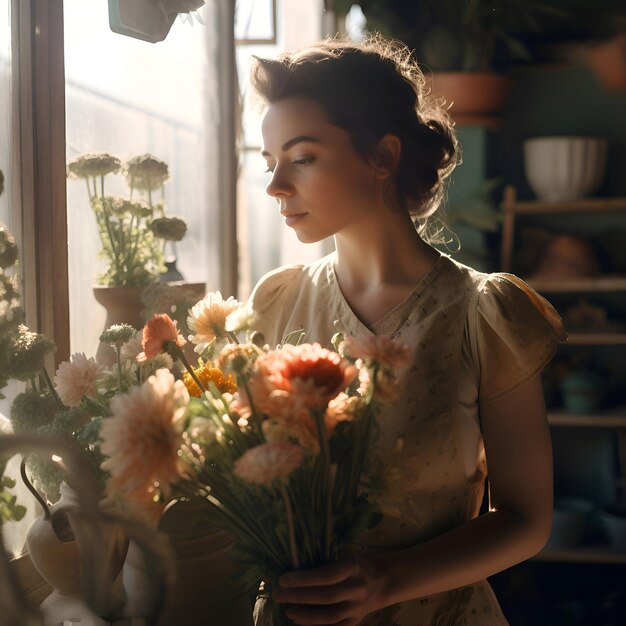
129	97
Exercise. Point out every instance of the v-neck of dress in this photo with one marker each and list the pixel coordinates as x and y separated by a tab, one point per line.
400	311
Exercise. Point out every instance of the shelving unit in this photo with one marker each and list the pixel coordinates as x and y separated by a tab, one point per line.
512	209
603	286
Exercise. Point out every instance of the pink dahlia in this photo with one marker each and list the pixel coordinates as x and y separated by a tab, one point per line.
77	378
378	349
142	438
263	464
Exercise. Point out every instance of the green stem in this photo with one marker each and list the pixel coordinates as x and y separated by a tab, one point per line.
51	388
91	197
291	526
118	358
241	380
328	481
233	336
178	351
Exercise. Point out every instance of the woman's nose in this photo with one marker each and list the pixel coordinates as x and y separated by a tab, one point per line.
279	185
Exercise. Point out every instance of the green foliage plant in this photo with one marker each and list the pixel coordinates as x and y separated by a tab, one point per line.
460	35
133	230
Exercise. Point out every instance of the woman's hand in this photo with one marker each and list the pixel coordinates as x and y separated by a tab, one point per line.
340	593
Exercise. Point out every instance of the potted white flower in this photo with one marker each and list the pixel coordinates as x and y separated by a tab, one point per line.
134	232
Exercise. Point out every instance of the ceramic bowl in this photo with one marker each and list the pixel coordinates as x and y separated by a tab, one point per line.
570	520
559	169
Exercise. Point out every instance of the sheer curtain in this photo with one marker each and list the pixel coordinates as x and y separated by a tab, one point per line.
129	97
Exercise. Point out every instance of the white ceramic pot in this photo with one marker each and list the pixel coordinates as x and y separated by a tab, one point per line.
57	556
560	169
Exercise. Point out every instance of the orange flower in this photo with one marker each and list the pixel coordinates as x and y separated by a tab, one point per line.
291	382
263	464
207	374
341	409
312	373
378	349
157	334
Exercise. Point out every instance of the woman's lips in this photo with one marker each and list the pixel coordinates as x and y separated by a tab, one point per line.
292	218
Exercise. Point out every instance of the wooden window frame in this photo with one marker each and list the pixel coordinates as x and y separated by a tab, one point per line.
38	27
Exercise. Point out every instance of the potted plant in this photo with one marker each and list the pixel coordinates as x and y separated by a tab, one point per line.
464	45
134	232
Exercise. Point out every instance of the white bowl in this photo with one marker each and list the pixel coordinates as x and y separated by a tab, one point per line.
564	168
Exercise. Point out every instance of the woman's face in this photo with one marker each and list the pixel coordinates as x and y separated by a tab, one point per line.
320	182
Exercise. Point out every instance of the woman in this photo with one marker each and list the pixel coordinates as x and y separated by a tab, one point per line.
357	150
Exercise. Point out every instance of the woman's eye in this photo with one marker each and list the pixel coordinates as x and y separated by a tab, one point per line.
303	161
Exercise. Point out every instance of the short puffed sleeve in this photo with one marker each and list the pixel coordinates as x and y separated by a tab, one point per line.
270	300
514	333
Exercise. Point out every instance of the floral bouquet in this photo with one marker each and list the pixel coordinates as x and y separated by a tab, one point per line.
134	230
275	442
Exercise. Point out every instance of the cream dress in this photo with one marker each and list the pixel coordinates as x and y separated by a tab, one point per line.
475	337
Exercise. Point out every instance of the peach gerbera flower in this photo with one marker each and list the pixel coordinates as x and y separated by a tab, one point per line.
142	438
158	332
309	372
263	464
207	374
77	378
207	319
378	349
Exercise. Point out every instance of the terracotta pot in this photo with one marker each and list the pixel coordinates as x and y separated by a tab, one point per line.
206	589
473	97
608	61
123	306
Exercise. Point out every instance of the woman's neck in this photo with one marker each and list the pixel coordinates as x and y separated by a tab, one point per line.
383	250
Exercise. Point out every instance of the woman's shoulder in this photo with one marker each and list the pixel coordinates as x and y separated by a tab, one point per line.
513	332
280	283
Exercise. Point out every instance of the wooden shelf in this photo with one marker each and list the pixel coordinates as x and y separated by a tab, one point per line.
609	419
583	554
586	205
581	285
595	339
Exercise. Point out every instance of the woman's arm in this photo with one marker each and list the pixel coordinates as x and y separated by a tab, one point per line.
519	458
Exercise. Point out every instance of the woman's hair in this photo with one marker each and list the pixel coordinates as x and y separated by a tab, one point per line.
371	89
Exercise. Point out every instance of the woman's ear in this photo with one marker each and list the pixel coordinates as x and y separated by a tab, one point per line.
388	154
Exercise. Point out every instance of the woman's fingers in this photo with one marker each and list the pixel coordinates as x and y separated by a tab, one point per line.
351	589
330	574
333	614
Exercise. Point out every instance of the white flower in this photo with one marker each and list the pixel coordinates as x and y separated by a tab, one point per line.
77	378
240	319
207	319
132	348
